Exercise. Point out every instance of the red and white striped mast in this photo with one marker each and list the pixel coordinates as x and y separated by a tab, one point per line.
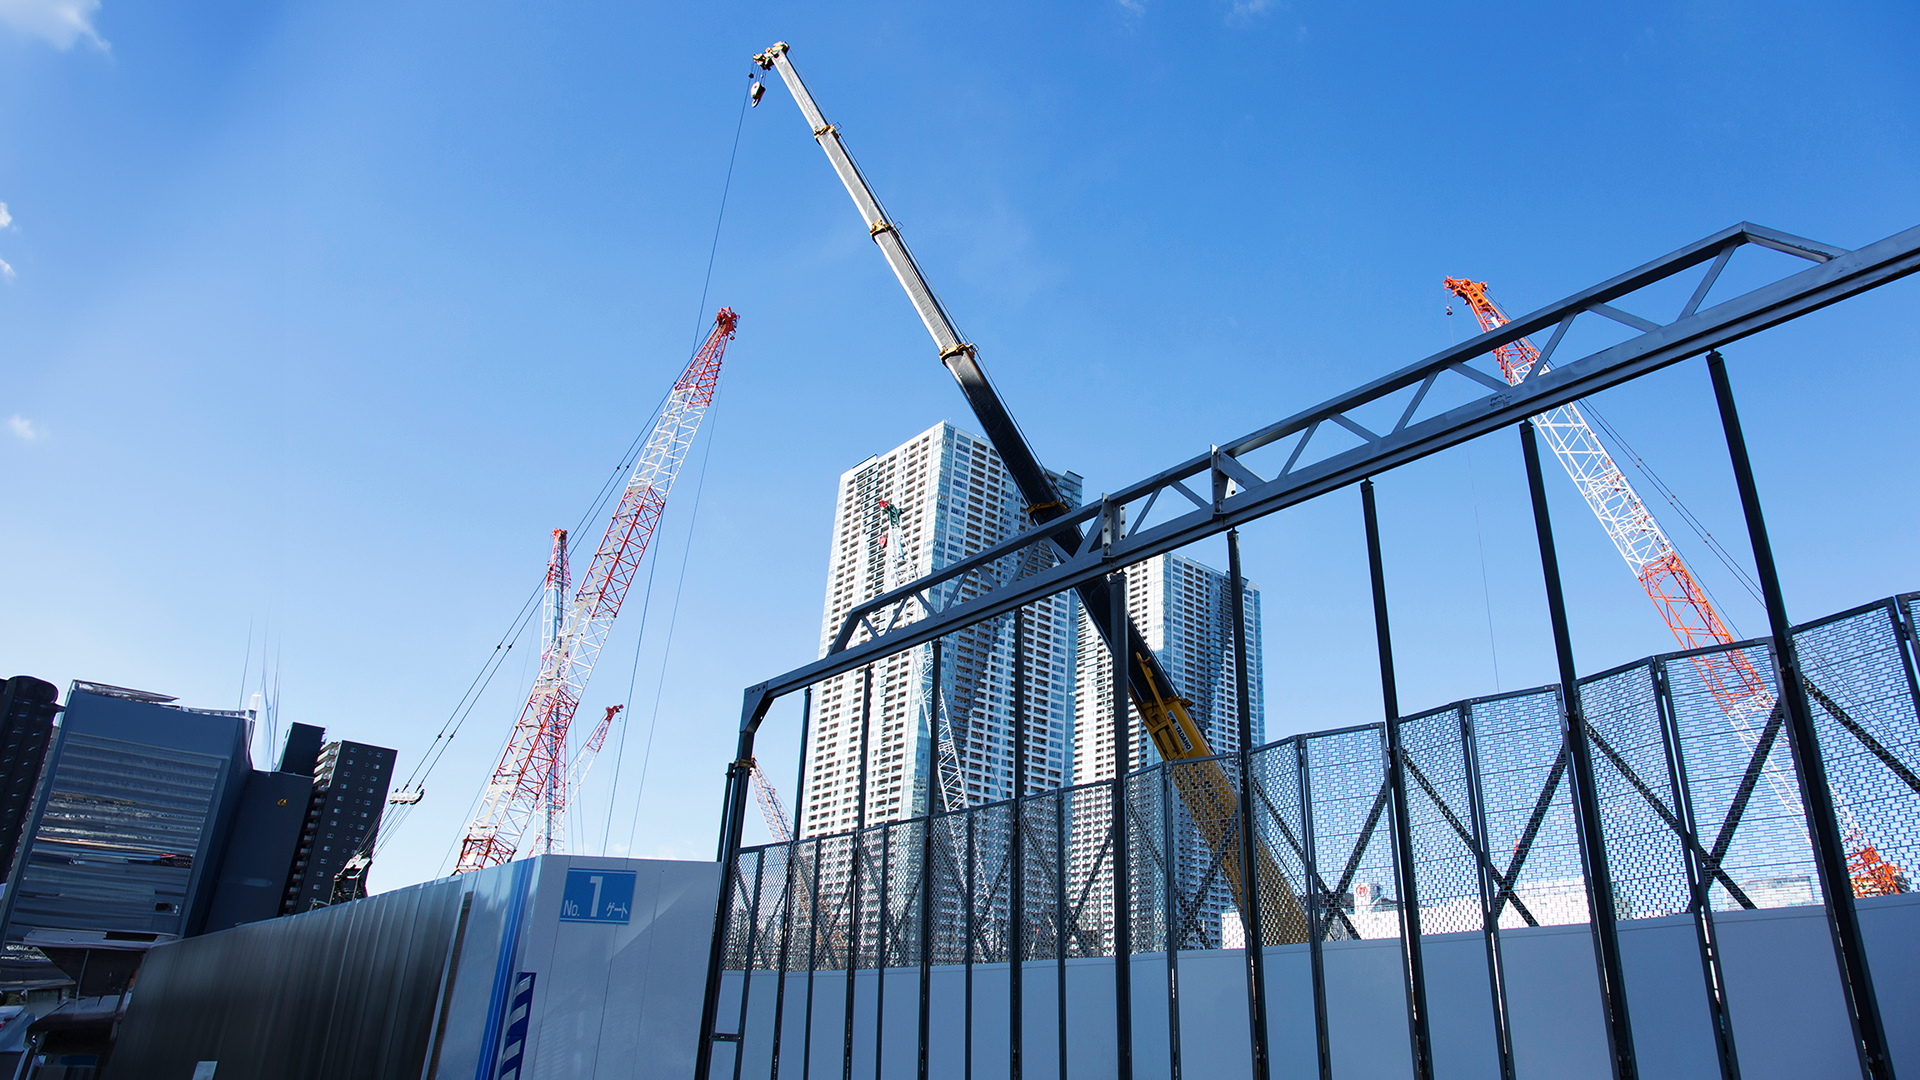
529	789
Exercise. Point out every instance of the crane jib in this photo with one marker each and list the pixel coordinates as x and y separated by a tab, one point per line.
1162	709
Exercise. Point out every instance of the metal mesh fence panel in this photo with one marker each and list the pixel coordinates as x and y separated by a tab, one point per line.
1146	870
1206	844
741	886
1440	815
992	878
950	884
1042	860
834	896
1860	688
1738	774
802	943
872	890
1352	842
1639	820
775	895
1528	809
1089	915
1277	824
900	946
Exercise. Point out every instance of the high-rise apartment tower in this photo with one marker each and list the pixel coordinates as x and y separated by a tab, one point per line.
937	498
1185	611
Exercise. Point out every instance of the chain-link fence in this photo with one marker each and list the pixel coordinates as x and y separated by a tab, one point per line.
1699	804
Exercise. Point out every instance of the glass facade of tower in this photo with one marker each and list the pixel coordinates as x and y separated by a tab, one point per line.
1185	611
932	501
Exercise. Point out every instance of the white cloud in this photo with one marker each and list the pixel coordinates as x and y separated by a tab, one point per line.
5	270
1138	7
1251	7
6	219
23	428
61	22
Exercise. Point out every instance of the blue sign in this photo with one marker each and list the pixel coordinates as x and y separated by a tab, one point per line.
602	896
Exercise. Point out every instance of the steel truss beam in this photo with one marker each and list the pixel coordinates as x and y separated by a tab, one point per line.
983	586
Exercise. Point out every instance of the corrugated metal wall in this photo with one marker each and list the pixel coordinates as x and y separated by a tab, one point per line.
349	991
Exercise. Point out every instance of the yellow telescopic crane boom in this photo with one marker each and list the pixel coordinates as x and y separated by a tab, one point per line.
1210	795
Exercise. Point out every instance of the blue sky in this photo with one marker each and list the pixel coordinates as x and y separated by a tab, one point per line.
317	318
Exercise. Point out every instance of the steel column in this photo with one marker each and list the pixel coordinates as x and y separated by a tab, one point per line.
1169	866
813	965
1254	933
1122	901
1699	878
1017	896
1489	888
971	869
1413	970
793	850
853	871
1061	934
880	950
1836	885
1586	802
746	974
1323	1049
926	932
733	815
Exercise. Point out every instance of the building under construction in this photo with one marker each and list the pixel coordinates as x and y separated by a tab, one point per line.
1696	864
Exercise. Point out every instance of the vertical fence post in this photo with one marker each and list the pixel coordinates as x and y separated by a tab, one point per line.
1253	931
1699	885
1413	971
813	964
1836	884
1017	895
1169	870
746	972
793	851
880	949
1484	874
935	789
1061	931
1122	901
1316	895
854	900
732	816
971	930
926	932
1586	801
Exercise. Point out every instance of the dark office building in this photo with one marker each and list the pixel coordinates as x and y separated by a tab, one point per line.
27	707
349	790
131	821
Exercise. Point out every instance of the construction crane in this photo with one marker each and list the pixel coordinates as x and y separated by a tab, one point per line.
530	785
1163	712
770	808
1740	691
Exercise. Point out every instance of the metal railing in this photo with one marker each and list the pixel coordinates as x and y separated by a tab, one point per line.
1702	816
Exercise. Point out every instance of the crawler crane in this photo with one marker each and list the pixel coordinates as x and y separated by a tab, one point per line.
1210	795
530	785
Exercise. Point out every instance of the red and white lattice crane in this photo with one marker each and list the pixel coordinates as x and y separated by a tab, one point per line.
1742	694
531	785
